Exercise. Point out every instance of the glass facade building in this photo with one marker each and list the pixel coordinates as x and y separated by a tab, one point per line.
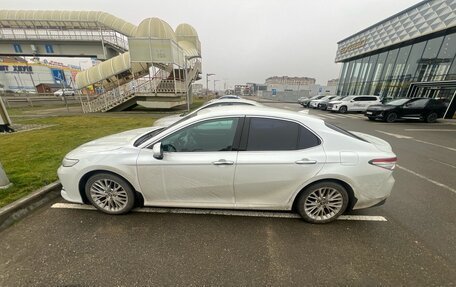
414	46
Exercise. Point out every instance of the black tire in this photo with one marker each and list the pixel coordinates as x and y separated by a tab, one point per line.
343	109
391	117
371	118
95	193
310	194
431	118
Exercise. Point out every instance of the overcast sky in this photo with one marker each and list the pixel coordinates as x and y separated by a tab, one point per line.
250	40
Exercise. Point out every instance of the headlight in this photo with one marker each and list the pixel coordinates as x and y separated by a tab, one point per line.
68	162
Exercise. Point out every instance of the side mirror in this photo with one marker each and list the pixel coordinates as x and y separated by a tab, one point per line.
157	150
351	101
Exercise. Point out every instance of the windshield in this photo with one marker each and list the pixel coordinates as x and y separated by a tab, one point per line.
147	136
348	98
326	98
398	102
336	98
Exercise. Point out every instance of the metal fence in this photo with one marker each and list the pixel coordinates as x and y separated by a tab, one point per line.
287	96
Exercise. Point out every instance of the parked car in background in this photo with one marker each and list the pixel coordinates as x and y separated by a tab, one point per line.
323	105
353	104
228	97
314	103
239	157
64	92
301	100
169	120
306	101
428	110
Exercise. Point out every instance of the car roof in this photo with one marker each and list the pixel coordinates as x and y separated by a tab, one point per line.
262	111
244	101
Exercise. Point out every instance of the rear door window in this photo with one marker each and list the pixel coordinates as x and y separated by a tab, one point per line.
274	135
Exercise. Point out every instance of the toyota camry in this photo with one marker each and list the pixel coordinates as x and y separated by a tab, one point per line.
241	157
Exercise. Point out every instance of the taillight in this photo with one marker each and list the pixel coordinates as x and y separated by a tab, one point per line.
388	163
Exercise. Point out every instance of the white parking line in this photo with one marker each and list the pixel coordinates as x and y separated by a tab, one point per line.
355	116
429	130
399	136
268	214
326	116
427	179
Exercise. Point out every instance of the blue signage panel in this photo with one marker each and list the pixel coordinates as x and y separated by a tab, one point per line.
58	75
274	92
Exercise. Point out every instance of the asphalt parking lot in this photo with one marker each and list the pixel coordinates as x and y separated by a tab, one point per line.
414	244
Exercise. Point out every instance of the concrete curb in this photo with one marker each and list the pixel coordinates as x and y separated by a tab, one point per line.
17	210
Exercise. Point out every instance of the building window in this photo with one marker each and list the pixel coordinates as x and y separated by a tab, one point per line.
49	49
17	48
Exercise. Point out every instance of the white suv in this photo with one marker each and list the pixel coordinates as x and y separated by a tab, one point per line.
353	104
64	92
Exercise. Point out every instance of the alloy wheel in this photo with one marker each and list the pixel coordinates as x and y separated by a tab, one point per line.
108	195
323	203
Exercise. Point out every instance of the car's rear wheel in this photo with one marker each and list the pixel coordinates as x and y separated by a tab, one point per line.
343	109
110	193
431	118
391	117
322	202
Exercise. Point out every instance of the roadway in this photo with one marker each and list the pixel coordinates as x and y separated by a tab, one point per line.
63	245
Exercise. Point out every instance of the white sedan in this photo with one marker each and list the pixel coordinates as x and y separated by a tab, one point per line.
238	157
169	120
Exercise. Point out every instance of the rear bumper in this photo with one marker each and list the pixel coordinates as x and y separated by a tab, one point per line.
375	198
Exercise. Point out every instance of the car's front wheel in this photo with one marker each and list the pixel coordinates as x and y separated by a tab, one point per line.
391	117
322	202
431	118
343	109
110	193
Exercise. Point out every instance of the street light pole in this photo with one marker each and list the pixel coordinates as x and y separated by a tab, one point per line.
214	84
207	82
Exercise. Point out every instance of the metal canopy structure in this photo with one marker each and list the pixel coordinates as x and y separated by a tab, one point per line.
146	63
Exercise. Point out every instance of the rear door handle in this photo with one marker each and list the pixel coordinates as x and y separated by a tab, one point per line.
305	161
223	162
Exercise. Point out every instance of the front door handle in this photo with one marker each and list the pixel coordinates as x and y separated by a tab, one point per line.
223	162
305	161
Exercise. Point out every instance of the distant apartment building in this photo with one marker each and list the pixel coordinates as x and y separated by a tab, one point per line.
333	82
197	89
285	83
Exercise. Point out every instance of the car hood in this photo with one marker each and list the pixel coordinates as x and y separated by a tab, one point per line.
335	102
380	107
109	143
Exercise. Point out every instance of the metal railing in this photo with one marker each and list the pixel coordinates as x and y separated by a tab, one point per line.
109	37
158	85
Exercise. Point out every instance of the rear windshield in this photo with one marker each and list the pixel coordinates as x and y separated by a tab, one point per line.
345	132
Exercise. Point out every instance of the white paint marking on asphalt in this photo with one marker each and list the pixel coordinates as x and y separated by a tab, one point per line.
444	163
395	135
417	140
442	146
430	130
268	214
337	116
327	116
306	112
428	179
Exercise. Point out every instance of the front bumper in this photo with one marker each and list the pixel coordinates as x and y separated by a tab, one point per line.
70	184
375	114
